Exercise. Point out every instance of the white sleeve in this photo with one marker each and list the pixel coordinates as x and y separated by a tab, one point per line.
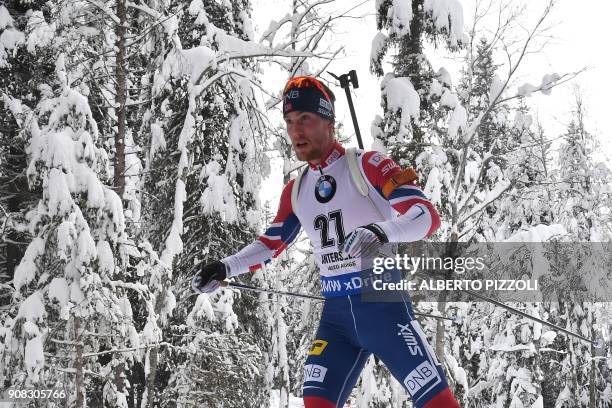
411	226
253	256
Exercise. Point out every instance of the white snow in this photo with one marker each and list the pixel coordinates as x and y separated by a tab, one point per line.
401	95
435	88
34	358
538	233
168	307
433	187
158	142
106	260
548	81
401	16
458	372
548	337
458	121
522	121
447	15
444	77
449	99
379	43
14	105
11	38
66	233
174	243
202	308
526	89
497	87
40	34
59	291
26	270
218	196
472	169
58	195
5	18
198	59
32	308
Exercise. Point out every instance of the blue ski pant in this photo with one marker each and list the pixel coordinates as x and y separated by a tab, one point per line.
351	330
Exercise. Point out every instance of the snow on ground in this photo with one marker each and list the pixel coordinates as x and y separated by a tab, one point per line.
294	402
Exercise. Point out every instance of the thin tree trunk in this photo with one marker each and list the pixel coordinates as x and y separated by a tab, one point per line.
119	164
440	328
120	88
592	373
153	356
78	364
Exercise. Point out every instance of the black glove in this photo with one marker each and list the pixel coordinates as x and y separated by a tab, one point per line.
207	280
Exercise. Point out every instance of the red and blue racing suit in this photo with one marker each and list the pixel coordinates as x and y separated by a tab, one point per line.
351	329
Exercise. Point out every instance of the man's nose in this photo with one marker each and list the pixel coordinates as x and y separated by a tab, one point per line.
296	130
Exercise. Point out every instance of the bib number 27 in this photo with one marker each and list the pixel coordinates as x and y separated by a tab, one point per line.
321	223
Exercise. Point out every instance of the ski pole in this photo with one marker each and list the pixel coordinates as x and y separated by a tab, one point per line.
313	297
262	290
596	343
345	82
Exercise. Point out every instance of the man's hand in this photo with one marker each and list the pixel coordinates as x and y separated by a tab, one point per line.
207	280
364	241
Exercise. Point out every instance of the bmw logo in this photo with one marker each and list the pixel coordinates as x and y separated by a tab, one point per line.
325	188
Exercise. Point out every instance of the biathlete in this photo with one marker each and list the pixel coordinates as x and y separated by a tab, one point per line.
328	203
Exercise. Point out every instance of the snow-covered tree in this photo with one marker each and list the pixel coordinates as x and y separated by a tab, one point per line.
411	91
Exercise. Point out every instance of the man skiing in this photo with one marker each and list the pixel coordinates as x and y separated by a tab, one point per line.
327	203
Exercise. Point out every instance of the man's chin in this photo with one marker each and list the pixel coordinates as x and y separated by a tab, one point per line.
306	156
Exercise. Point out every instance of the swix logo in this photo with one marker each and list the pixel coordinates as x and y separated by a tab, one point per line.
422	375
410	339
314	372
389	166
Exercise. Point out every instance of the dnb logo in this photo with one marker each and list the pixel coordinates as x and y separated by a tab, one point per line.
317	347
314	372
294	93
325	188
424	374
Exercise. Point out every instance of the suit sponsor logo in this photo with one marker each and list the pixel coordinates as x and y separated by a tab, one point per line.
410	339
314	372
388	167
352	283
421	376
376	159
333	156
317	347
325	188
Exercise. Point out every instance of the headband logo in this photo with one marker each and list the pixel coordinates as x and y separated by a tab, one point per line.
325	104
293	94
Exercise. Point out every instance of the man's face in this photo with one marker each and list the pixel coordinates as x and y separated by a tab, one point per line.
311	135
